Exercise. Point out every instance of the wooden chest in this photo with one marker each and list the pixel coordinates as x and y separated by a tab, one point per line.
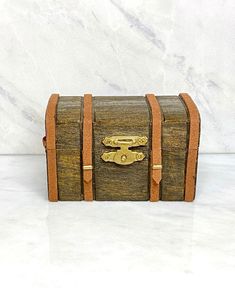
122	147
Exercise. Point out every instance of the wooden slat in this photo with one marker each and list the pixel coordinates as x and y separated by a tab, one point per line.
68	145
175	132
121	116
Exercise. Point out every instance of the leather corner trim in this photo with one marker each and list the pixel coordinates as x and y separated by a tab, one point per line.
50	142
156	154
87	147
194	137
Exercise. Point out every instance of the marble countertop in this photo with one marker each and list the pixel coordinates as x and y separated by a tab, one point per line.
189	238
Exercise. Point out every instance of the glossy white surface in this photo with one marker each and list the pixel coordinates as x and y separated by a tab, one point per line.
42	238
115	47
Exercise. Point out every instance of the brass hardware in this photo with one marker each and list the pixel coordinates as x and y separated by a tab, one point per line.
87	167
124	156
157	167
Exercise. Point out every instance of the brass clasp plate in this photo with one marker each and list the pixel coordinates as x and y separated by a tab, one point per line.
124	156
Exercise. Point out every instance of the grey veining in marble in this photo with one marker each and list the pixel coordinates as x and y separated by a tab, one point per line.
115	47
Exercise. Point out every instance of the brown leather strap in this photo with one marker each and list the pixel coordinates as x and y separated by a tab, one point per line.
156	154
194	130
50	145
87	148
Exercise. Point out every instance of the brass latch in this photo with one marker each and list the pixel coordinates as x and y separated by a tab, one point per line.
124	156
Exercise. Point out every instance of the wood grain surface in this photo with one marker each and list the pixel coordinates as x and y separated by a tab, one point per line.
68	146
118	115
175	135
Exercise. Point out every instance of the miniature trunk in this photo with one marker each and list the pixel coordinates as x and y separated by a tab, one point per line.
119	136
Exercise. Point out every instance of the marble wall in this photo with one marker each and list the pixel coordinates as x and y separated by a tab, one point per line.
113	47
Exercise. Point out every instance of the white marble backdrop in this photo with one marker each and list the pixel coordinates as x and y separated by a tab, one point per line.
113	47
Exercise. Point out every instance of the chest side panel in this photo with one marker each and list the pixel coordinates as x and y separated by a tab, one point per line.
68	148
120	116
175	135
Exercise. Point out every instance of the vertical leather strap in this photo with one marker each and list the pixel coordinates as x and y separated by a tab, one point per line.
156	153
87	148
194	134
49	143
